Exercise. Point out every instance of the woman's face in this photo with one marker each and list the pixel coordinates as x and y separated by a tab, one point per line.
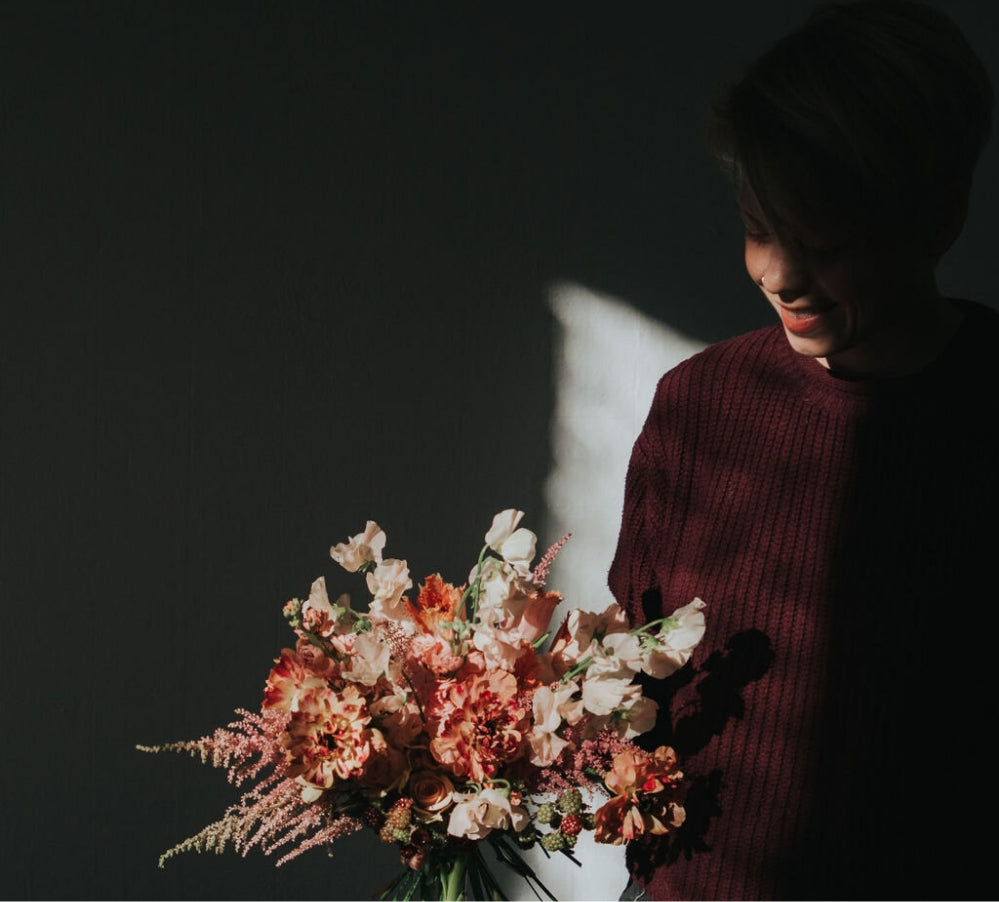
843	295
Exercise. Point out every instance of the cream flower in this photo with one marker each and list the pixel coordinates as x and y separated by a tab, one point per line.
618	655
386	583
475	816
366	547
669	649
516	546
499	588
638	718
310	793
549	707
495	644
369	660
573	641
604	695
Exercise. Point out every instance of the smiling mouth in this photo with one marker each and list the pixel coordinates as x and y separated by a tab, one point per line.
802	320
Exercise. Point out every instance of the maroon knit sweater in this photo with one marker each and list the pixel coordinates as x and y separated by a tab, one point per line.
835	724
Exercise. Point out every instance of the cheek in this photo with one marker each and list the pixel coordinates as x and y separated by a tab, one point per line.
754	258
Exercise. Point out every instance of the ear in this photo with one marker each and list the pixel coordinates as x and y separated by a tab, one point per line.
950	215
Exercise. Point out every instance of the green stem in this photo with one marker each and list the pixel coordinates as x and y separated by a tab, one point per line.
472	592
454	880
648	626
578	669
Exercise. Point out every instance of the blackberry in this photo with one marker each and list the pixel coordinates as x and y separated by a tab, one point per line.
396	826
554	841
570	802
546	813
571	825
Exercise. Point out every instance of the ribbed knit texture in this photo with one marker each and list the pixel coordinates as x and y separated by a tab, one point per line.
833	722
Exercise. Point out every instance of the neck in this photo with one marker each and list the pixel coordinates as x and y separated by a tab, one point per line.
929	329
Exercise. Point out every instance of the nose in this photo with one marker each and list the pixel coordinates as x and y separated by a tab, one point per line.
782	271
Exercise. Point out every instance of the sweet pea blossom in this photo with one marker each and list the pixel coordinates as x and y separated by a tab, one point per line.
604	695
364	548
319	616
550	708
579	629
516	546
637	718
476	815
512	612
369	661
617	655
669	649
386	583
495	644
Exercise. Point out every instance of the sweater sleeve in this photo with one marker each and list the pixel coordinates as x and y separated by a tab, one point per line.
632	577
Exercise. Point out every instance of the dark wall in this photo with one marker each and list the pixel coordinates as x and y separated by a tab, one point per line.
270	270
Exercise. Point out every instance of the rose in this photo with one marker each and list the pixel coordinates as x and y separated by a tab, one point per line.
432	793
386	769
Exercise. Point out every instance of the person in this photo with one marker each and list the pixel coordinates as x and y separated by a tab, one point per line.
828	486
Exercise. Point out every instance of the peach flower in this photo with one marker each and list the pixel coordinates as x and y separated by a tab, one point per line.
386	769
364	548
477	724
432	792
646	787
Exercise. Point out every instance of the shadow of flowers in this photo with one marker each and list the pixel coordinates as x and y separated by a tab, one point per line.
715	700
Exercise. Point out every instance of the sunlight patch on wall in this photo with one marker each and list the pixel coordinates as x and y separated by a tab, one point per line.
608	358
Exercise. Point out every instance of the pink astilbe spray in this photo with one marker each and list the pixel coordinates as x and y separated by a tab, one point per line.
582	764
540	574
245	747
270	815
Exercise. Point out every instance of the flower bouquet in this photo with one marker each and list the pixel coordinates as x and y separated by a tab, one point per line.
451	723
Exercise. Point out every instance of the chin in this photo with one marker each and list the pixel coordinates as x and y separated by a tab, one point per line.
809	346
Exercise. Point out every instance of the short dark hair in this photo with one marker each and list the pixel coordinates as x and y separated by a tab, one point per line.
868	110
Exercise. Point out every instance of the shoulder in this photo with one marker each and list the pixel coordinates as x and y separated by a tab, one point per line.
732	379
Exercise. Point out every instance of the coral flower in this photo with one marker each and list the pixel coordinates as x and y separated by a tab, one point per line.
437	601
479	725
290	677
328	738
645	800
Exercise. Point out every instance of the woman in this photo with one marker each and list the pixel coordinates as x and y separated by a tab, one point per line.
828	487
